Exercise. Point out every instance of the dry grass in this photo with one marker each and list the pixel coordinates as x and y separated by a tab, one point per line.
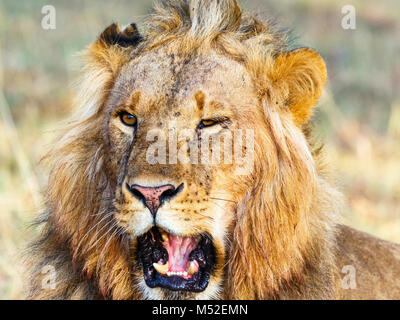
359	118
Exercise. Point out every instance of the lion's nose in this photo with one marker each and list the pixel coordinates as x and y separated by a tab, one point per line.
154	197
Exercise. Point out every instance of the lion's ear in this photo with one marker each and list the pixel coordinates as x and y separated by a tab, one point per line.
301	76
112	36
111	48
102	61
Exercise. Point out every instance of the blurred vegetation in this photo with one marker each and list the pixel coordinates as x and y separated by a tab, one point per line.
359	118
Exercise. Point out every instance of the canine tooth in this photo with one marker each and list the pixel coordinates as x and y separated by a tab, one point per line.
169	274
185	274
164	235
192	268
161	268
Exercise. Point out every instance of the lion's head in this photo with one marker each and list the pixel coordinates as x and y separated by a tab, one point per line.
133	212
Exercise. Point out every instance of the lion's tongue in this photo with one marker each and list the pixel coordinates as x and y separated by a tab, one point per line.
179	249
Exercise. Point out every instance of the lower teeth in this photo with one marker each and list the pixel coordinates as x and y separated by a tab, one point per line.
171	273
163	269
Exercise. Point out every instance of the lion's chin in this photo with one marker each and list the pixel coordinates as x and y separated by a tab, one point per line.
176	263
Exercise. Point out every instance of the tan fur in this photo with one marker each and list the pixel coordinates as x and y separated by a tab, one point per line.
275	230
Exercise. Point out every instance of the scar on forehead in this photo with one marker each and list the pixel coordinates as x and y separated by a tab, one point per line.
200	99
216	105
134	99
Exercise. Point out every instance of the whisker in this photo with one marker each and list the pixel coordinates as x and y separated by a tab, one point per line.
95	226
99	230
109	229
206	217
223	200
218	205
108	215
103	212
114	234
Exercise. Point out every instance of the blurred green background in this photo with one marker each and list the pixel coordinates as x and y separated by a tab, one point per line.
358	119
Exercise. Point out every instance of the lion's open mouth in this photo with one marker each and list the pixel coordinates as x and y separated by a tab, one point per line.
176	263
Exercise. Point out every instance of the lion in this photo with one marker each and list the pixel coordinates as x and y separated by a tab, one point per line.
120	224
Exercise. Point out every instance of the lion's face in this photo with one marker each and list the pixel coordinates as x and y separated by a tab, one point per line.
176	208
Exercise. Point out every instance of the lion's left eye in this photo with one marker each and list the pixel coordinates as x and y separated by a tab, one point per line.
207	123
128	119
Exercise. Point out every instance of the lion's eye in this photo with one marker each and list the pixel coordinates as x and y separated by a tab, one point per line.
128	119
207	123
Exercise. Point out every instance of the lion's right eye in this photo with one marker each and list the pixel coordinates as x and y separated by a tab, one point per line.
128	119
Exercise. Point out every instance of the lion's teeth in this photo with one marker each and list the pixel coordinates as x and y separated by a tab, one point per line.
164	235
192	268
176	273
161	268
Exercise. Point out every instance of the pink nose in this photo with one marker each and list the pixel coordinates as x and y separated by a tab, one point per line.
153	197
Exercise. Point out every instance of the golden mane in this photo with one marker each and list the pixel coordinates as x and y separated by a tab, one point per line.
285	224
